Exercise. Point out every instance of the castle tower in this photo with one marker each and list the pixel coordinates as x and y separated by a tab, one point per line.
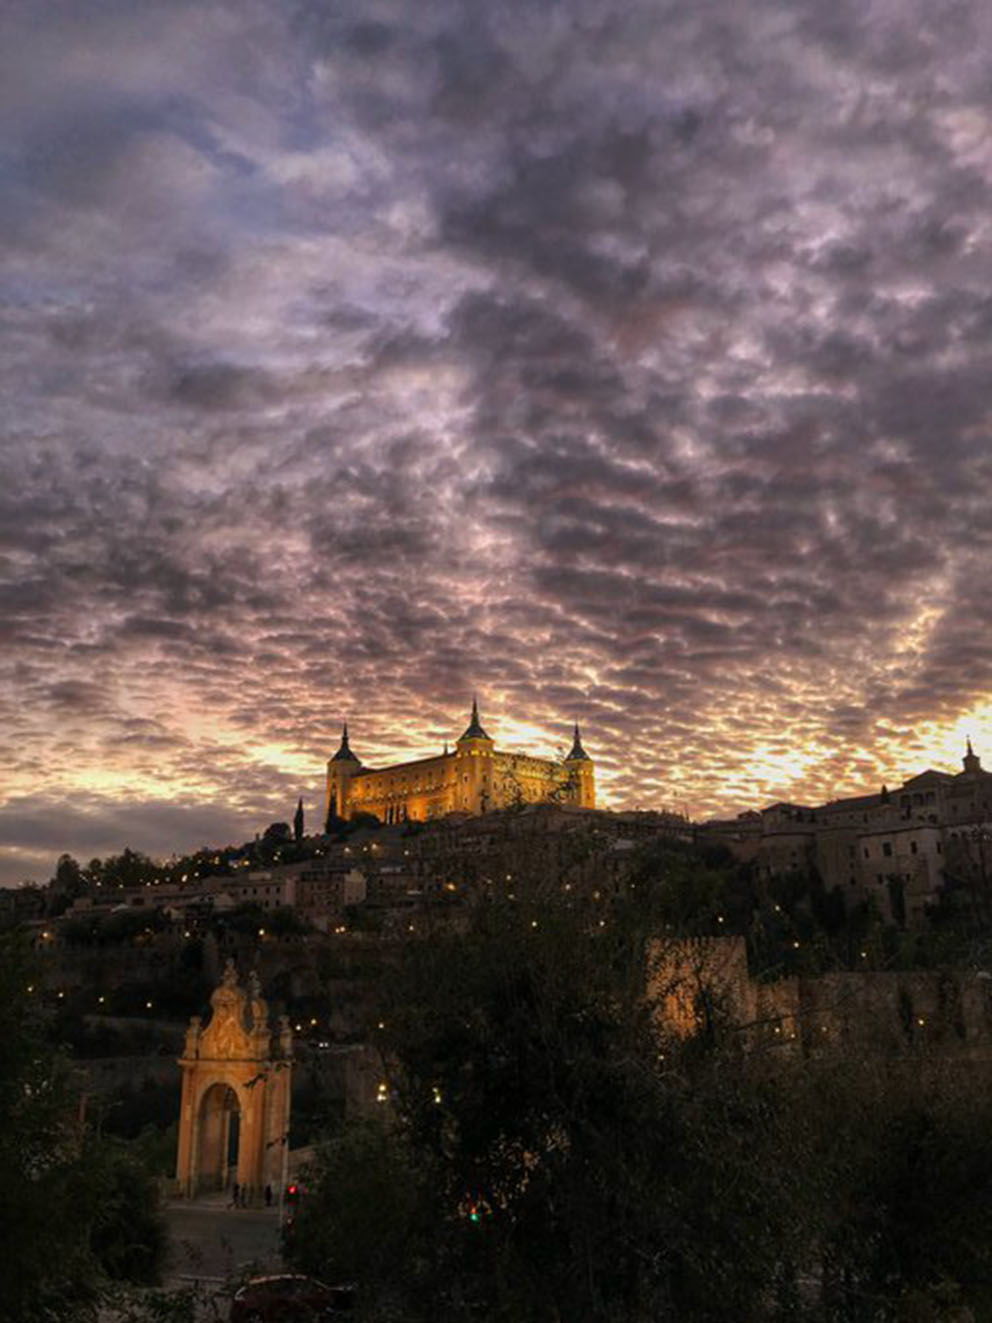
341	768
474	768
581	774
971	760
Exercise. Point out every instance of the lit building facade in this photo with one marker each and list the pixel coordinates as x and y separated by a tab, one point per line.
474	778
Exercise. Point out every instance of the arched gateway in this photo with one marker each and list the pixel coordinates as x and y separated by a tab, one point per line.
234	1117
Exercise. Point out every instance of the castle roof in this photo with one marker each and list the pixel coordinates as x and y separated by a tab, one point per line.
344	753
474	730
577	753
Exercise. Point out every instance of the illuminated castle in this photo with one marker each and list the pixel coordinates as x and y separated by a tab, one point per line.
474	778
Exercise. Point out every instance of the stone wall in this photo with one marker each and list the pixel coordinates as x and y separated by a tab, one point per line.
705	982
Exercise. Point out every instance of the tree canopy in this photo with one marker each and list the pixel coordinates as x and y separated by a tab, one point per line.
544	1155
77	1212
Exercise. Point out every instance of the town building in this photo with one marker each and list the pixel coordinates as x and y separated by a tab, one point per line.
898	848
472	778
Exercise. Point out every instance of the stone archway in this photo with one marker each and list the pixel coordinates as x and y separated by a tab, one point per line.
234	1115
218	1132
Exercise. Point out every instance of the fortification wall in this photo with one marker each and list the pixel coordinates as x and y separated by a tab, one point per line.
705	982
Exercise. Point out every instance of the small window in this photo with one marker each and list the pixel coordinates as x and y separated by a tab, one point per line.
887	849
913	848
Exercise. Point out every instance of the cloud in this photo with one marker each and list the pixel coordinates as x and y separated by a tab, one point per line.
620	361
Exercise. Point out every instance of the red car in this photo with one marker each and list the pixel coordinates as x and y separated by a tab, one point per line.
290	1298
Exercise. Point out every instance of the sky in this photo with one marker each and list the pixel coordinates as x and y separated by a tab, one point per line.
621	361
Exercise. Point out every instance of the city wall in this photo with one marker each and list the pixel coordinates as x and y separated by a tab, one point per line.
705	983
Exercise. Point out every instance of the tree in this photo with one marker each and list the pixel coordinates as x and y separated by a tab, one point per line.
562	1169
76	1213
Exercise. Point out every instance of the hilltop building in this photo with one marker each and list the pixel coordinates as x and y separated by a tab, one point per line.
473	778
898	847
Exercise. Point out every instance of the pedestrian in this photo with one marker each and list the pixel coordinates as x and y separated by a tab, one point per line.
235	1195
268	1196
244	1196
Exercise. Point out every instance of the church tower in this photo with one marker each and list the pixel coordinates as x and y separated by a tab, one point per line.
341	768
971	760
579	767
474	768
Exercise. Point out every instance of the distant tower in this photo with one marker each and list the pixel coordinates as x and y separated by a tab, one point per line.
474	777
580	769
298	822
341	768
971	760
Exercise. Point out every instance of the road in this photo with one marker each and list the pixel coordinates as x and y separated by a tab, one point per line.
212	1243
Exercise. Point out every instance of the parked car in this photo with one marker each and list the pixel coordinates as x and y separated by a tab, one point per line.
290	1298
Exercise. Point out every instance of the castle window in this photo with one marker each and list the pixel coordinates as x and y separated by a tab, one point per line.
913	848
887	849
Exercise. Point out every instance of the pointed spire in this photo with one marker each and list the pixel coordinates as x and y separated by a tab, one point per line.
474	731
577	753
344	753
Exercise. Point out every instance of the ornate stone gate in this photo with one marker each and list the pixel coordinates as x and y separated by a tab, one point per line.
234	1117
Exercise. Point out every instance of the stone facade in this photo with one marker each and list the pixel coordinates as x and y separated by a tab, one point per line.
705	981
474	778
236	1073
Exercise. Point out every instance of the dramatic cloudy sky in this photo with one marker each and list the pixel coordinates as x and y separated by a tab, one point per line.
625	360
